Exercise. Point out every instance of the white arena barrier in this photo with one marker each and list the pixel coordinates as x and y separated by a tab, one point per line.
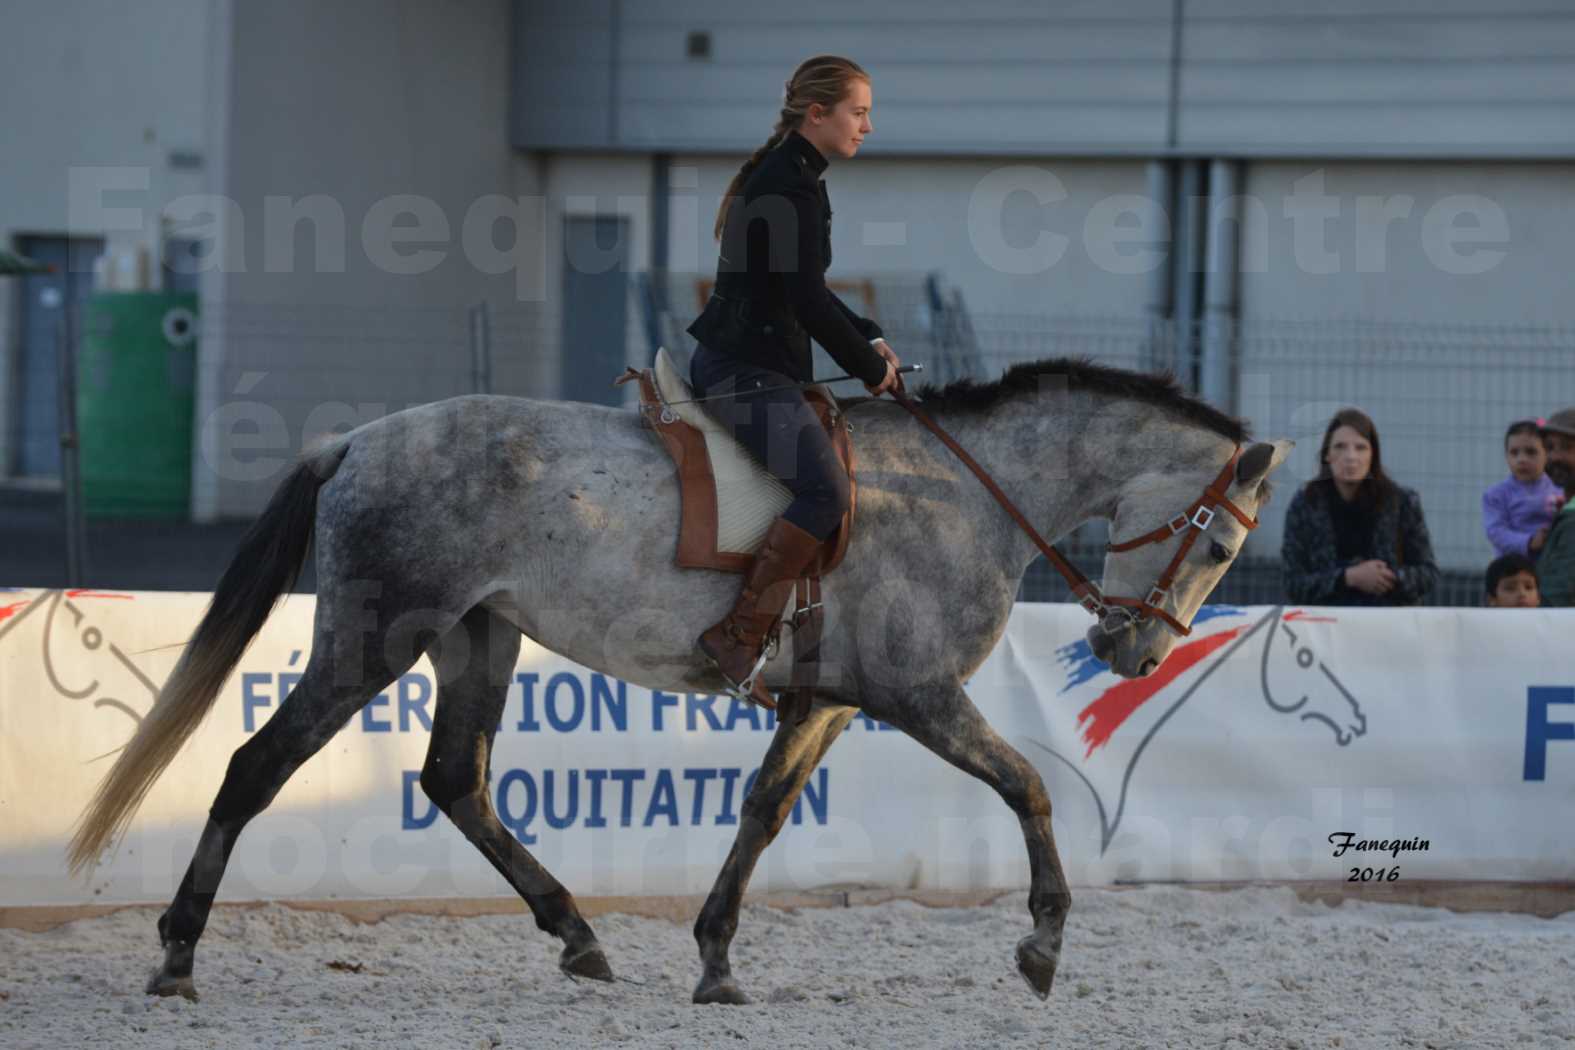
1431	743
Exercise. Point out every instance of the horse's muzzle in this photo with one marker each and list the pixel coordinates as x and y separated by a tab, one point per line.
1102	643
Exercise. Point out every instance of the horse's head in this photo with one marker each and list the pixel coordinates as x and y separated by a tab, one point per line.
1152	597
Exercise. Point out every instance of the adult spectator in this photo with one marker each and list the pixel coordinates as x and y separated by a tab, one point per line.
1353	536
1556	566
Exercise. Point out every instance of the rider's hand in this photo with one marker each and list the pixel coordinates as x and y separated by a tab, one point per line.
892	380
889	382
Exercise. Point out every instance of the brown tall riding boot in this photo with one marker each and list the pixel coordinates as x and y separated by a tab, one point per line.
734	643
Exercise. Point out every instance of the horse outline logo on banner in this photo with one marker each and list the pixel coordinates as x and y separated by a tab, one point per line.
1323	699
65	618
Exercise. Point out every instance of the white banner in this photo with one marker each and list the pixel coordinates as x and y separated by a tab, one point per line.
1431	743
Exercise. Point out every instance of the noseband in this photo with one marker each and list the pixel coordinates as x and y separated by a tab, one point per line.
1189	524
1194	521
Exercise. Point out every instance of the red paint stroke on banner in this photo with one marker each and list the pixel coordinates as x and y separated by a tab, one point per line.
1301	614
1116	704
7	611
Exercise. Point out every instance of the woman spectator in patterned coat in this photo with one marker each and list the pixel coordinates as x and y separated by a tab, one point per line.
1352	536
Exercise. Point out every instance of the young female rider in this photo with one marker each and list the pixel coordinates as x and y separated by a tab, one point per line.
774	228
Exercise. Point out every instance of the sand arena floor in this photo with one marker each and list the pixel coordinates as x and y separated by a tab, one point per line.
1152	967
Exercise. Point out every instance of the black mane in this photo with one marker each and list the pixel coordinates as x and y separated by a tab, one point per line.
1159	389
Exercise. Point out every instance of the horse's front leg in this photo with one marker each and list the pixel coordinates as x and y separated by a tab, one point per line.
942	718
794	753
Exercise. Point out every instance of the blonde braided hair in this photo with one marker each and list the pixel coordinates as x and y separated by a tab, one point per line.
823	79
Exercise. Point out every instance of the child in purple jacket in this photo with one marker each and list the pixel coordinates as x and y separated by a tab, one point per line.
1517	512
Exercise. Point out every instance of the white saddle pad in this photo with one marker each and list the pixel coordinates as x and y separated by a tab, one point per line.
748	498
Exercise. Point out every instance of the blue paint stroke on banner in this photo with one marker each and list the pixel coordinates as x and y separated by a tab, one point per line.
1081	664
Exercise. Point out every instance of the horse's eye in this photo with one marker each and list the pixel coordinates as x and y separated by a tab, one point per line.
1219	553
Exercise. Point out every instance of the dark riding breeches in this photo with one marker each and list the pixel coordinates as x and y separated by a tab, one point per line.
781	431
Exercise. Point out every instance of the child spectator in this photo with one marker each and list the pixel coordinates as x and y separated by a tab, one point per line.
1512	583
1517	512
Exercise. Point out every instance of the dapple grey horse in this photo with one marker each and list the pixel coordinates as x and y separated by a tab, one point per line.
450	528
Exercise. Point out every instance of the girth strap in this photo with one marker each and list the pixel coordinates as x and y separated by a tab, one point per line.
807	622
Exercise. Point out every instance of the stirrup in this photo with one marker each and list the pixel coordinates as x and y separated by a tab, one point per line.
745	690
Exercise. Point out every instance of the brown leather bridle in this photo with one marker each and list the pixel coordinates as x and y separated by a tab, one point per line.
1189	524
1194	521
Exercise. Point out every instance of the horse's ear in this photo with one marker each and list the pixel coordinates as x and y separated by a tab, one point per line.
1258	461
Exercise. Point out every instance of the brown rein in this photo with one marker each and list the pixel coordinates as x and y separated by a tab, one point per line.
1194	521
1084	589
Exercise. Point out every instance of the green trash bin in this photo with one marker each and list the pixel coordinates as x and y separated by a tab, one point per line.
135	379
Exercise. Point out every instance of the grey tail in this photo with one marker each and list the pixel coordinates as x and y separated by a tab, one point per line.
265	567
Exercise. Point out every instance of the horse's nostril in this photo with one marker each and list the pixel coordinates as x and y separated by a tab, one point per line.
1148	667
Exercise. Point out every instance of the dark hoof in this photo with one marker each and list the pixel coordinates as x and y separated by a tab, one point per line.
174	977
164	984
1037	966
724	992
586	962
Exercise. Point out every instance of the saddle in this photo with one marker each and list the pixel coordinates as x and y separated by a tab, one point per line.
728	501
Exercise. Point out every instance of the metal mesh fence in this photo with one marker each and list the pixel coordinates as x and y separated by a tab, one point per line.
395	356
1441	395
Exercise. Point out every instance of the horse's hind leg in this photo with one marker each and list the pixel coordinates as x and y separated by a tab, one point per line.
473	669
317	708
945	721
794	753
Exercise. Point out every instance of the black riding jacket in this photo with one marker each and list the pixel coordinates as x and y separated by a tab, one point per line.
771	297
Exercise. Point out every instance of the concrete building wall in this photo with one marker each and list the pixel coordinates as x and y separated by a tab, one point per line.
1462	242
1089	77
1435	297
586	185
1388	78
1002	76
1016	236
385	124
1010	154
80	100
